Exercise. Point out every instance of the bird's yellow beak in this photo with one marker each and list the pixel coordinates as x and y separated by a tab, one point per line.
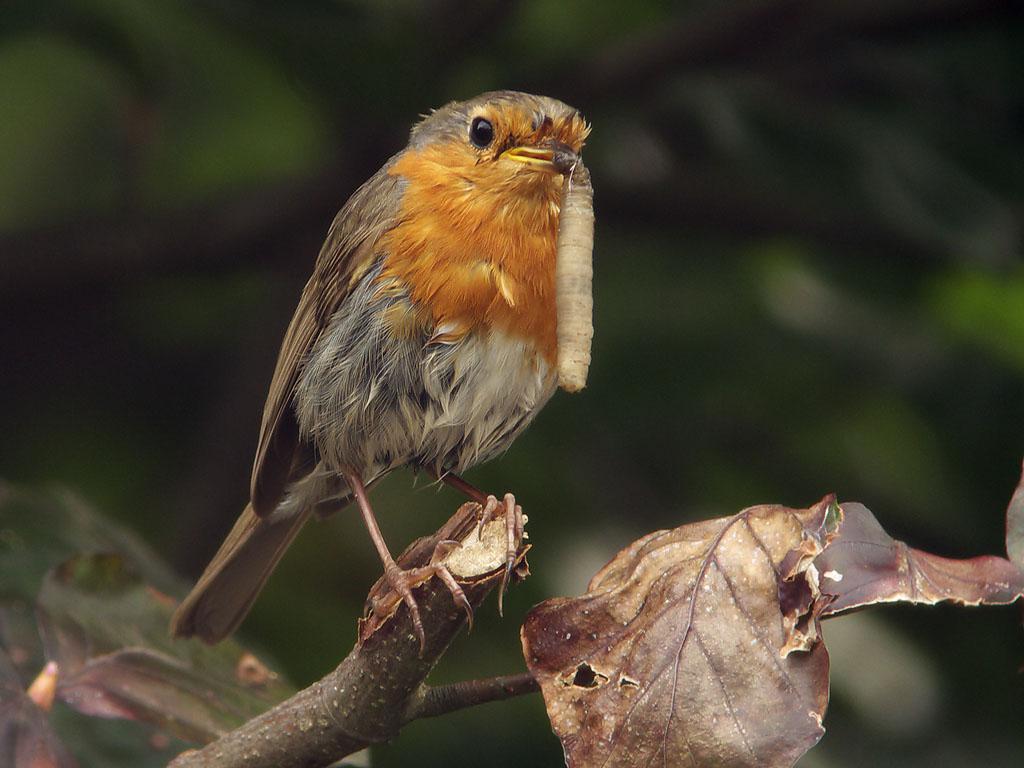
556	158
535	156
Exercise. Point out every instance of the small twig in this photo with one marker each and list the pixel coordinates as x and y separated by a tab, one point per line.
442	699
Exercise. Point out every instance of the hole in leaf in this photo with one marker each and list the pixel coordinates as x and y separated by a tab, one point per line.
627	682
587	677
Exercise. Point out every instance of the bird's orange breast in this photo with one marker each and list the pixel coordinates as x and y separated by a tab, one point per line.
476	246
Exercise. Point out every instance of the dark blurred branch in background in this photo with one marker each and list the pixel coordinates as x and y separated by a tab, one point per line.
282	227
760	35
237	231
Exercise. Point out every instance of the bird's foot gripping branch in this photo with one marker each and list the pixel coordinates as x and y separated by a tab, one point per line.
467	556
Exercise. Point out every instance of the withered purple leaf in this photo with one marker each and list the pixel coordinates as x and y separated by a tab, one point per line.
680	655
865	566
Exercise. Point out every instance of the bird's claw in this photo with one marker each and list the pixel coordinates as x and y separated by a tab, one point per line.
403	581
515	522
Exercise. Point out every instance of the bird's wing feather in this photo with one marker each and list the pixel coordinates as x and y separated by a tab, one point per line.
351	242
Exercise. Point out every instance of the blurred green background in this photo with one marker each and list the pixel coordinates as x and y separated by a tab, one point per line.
809	279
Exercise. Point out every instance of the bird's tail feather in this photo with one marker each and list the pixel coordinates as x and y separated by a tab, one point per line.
229	585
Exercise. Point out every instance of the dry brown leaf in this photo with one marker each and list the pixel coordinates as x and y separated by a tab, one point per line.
680	654
701	646
864	566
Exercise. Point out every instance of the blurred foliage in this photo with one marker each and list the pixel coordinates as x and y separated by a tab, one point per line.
99	616
809	278
107	629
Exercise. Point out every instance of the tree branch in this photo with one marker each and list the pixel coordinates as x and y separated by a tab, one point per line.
379	685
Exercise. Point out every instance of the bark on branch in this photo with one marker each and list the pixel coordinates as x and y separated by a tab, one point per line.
379	686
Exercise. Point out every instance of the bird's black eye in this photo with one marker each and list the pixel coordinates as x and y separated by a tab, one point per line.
481	132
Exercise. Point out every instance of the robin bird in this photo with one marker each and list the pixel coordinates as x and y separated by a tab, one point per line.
425	337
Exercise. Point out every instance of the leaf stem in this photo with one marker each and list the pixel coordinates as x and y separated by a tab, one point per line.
442	699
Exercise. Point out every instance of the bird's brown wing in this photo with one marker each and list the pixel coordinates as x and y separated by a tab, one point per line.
351	243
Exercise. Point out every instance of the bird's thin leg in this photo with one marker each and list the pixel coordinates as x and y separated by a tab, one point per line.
464	486
403	581
488	503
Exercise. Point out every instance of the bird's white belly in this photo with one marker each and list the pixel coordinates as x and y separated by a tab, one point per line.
370	400
496	385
